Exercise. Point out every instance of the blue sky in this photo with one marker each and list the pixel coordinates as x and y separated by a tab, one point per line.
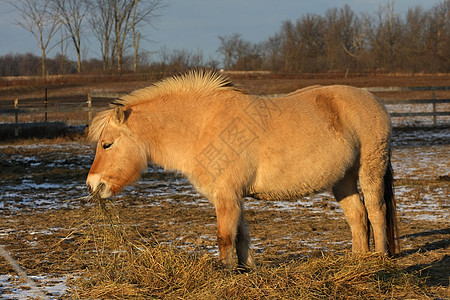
196	24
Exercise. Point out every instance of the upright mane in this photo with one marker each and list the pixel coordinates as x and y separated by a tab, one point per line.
197	80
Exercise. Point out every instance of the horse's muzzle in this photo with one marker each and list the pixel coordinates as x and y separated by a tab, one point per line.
97	188
90	189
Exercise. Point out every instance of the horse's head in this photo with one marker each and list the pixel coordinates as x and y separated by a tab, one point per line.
120	156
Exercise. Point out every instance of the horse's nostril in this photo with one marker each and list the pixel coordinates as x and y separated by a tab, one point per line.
89	188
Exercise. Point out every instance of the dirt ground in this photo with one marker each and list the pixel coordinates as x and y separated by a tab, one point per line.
44	216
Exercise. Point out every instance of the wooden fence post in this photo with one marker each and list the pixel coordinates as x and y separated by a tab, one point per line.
89	105
434	109
16	117
45	104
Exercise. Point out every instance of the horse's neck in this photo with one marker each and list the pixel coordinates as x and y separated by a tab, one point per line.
169	134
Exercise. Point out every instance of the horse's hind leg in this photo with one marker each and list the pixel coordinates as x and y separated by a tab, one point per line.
371	180
346	193
245	257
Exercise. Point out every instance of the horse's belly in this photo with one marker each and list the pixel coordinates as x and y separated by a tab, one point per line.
283	186
301	171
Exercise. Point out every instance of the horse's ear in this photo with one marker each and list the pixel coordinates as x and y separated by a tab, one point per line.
119	115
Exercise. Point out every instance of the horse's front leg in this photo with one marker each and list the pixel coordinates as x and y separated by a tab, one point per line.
244	254
228	212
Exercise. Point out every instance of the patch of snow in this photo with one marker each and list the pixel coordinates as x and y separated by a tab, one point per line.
12	287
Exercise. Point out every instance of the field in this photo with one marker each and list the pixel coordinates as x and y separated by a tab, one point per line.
302	246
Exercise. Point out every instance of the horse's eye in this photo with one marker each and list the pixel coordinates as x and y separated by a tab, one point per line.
106	146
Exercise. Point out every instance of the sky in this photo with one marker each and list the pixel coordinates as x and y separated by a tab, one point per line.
194	25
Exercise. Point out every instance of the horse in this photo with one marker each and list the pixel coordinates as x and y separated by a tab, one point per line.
231	145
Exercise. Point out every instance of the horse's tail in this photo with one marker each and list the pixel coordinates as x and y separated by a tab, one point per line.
391	215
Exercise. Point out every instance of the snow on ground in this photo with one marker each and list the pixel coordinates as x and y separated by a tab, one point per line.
13	287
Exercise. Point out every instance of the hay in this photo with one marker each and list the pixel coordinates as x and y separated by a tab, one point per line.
121	267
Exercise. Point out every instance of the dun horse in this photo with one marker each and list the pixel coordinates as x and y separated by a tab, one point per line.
230	145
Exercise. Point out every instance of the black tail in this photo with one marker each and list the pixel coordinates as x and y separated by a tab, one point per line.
391	214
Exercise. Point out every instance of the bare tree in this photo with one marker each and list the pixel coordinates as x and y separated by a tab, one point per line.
304	44
344	38
312	42
238	53
37	17
101	21
272	52
72	14
136	35
227	48
144	13
439	36
291	50
113	21
122	10
412	50
385	34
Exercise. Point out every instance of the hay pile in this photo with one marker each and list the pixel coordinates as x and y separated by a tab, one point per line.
120	267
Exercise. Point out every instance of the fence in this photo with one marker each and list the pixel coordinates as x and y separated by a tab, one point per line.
39	113
434	113
88	107
98	95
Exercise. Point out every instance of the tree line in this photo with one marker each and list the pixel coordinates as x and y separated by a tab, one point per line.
339	40
342	40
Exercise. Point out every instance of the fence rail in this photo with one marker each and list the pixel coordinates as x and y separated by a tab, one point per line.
434	113
89	109
407	88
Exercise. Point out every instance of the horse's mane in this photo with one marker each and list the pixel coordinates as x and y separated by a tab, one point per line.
196	80
98	124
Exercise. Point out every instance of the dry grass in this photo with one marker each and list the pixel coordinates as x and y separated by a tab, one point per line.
118	267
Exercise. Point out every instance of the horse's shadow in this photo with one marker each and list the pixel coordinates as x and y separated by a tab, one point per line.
435	273
429	246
